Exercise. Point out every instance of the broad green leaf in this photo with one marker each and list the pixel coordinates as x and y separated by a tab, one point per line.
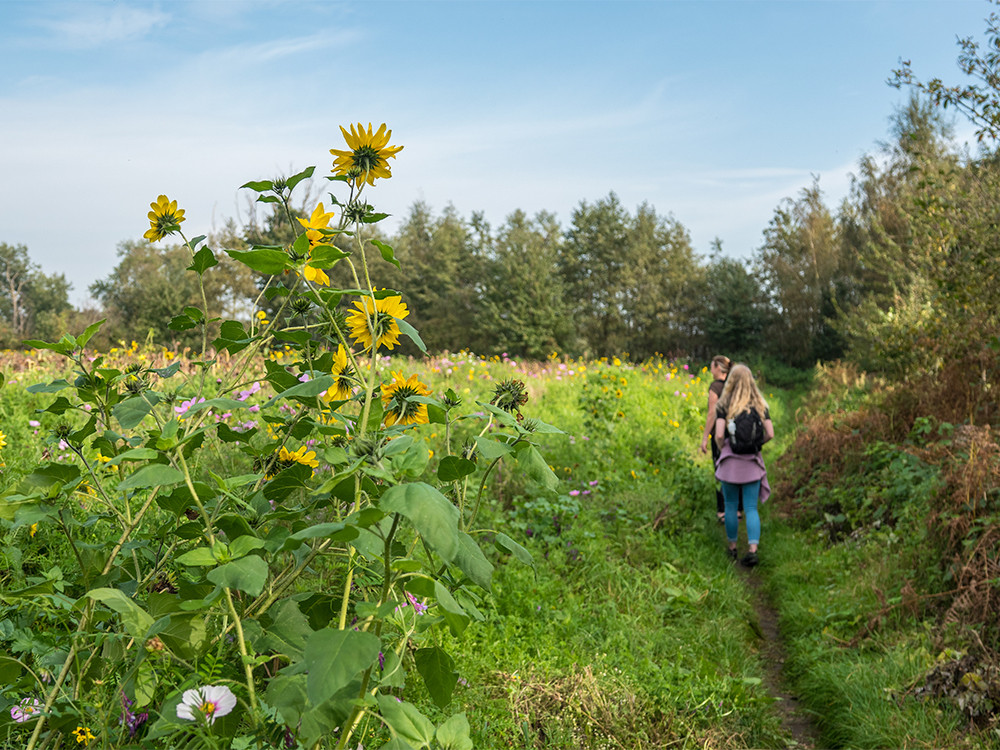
473	562
244	545
295	179
387	252
326	256
203	260
197	557
491	449
431	513
453	468
309	389
54	387
135	619
259	185
335	657
288	632
246	574
535	466
504	542
132	411
93	328
407	330
152	475
454	733
135	454
263	260
438	670
337	531
406	721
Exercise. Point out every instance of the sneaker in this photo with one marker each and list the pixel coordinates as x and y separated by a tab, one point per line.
732	554
750	559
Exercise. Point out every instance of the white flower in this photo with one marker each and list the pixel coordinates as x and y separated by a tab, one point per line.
210	702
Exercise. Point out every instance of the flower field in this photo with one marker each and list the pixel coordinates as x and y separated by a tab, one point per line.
617	438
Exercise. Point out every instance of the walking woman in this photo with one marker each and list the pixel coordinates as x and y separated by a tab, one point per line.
719	369
742	426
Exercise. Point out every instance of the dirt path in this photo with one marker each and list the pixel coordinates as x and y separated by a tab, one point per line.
794	719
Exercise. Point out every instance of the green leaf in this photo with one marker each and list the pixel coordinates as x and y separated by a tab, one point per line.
335	657
135	619
535	466
54	387
203	260
337	531
93	328
453	468
438	670
295	179
152	475
259	185
491	449
135	454
246	574
309	389
387	253
407	330
288	632
326	256
266	261
431	513
406	721
197	557
473	562
454	734
132	411
504	542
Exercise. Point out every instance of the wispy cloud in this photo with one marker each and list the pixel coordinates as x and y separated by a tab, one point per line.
90	26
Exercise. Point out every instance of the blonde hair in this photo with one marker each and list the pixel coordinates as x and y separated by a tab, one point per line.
722	362
741	393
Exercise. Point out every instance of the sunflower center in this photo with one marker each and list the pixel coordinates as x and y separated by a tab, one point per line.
366	158
400	402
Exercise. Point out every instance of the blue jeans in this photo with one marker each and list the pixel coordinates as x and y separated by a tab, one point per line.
731	495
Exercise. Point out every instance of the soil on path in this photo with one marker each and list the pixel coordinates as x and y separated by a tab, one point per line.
794	719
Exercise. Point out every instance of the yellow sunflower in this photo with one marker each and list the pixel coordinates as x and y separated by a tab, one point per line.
375	321
320	219
164	219
343	377
368	156
3	441
316	275
288	458
397	403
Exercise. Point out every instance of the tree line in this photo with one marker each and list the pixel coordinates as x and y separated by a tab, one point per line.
902	274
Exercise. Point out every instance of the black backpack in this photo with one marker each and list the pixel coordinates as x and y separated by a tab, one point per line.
746	432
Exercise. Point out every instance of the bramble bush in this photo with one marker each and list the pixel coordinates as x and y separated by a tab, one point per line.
256	551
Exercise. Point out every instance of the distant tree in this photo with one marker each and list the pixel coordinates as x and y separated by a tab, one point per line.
734	308
440	268
659	277
151	284
799	264
31	302
525	309
593	268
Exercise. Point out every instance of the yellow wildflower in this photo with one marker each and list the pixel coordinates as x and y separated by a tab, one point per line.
164	219
368	156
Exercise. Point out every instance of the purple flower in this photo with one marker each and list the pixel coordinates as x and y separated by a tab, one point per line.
26	710
574	493
131	719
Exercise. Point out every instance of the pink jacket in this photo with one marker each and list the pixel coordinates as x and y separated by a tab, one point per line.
742	468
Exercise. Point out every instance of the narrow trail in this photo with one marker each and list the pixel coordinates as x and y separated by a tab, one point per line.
794	718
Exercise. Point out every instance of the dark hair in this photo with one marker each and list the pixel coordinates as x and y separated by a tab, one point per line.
722	362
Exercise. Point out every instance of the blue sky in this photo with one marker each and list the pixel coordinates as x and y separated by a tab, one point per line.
710	111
